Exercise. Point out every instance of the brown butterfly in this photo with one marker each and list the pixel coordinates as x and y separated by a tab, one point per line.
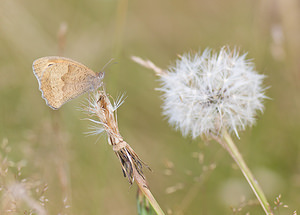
62	79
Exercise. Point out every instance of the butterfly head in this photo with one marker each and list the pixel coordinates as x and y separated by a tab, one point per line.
97	81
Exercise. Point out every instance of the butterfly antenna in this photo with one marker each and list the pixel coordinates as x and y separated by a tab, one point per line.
102	70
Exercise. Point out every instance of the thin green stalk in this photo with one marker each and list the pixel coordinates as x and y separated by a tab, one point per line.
236	155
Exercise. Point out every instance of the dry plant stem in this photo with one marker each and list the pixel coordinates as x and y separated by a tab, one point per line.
229	145
149	64
132	168
141	183
131	164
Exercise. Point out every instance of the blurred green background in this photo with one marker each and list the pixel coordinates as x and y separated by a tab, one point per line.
84	168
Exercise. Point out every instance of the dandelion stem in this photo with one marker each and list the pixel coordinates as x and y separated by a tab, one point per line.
229	145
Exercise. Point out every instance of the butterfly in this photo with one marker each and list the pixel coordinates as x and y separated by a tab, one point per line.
62	79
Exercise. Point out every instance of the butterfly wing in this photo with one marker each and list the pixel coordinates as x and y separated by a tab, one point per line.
61	79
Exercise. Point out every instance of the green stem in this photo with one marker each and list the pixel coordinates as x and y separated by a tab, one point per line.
236	155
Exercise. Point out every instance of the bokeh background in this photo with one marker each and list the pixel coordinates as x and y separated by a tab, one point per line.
189	176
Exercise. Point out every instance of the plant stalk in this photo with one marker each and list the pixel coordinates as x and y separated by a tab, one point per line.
141	184
229	145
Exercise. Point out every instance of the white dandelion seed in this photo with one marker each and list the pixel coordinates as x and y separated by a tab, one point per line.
205	93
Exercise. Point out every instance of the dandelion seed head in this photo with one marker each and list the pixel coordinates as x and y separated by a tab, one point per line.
205	93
